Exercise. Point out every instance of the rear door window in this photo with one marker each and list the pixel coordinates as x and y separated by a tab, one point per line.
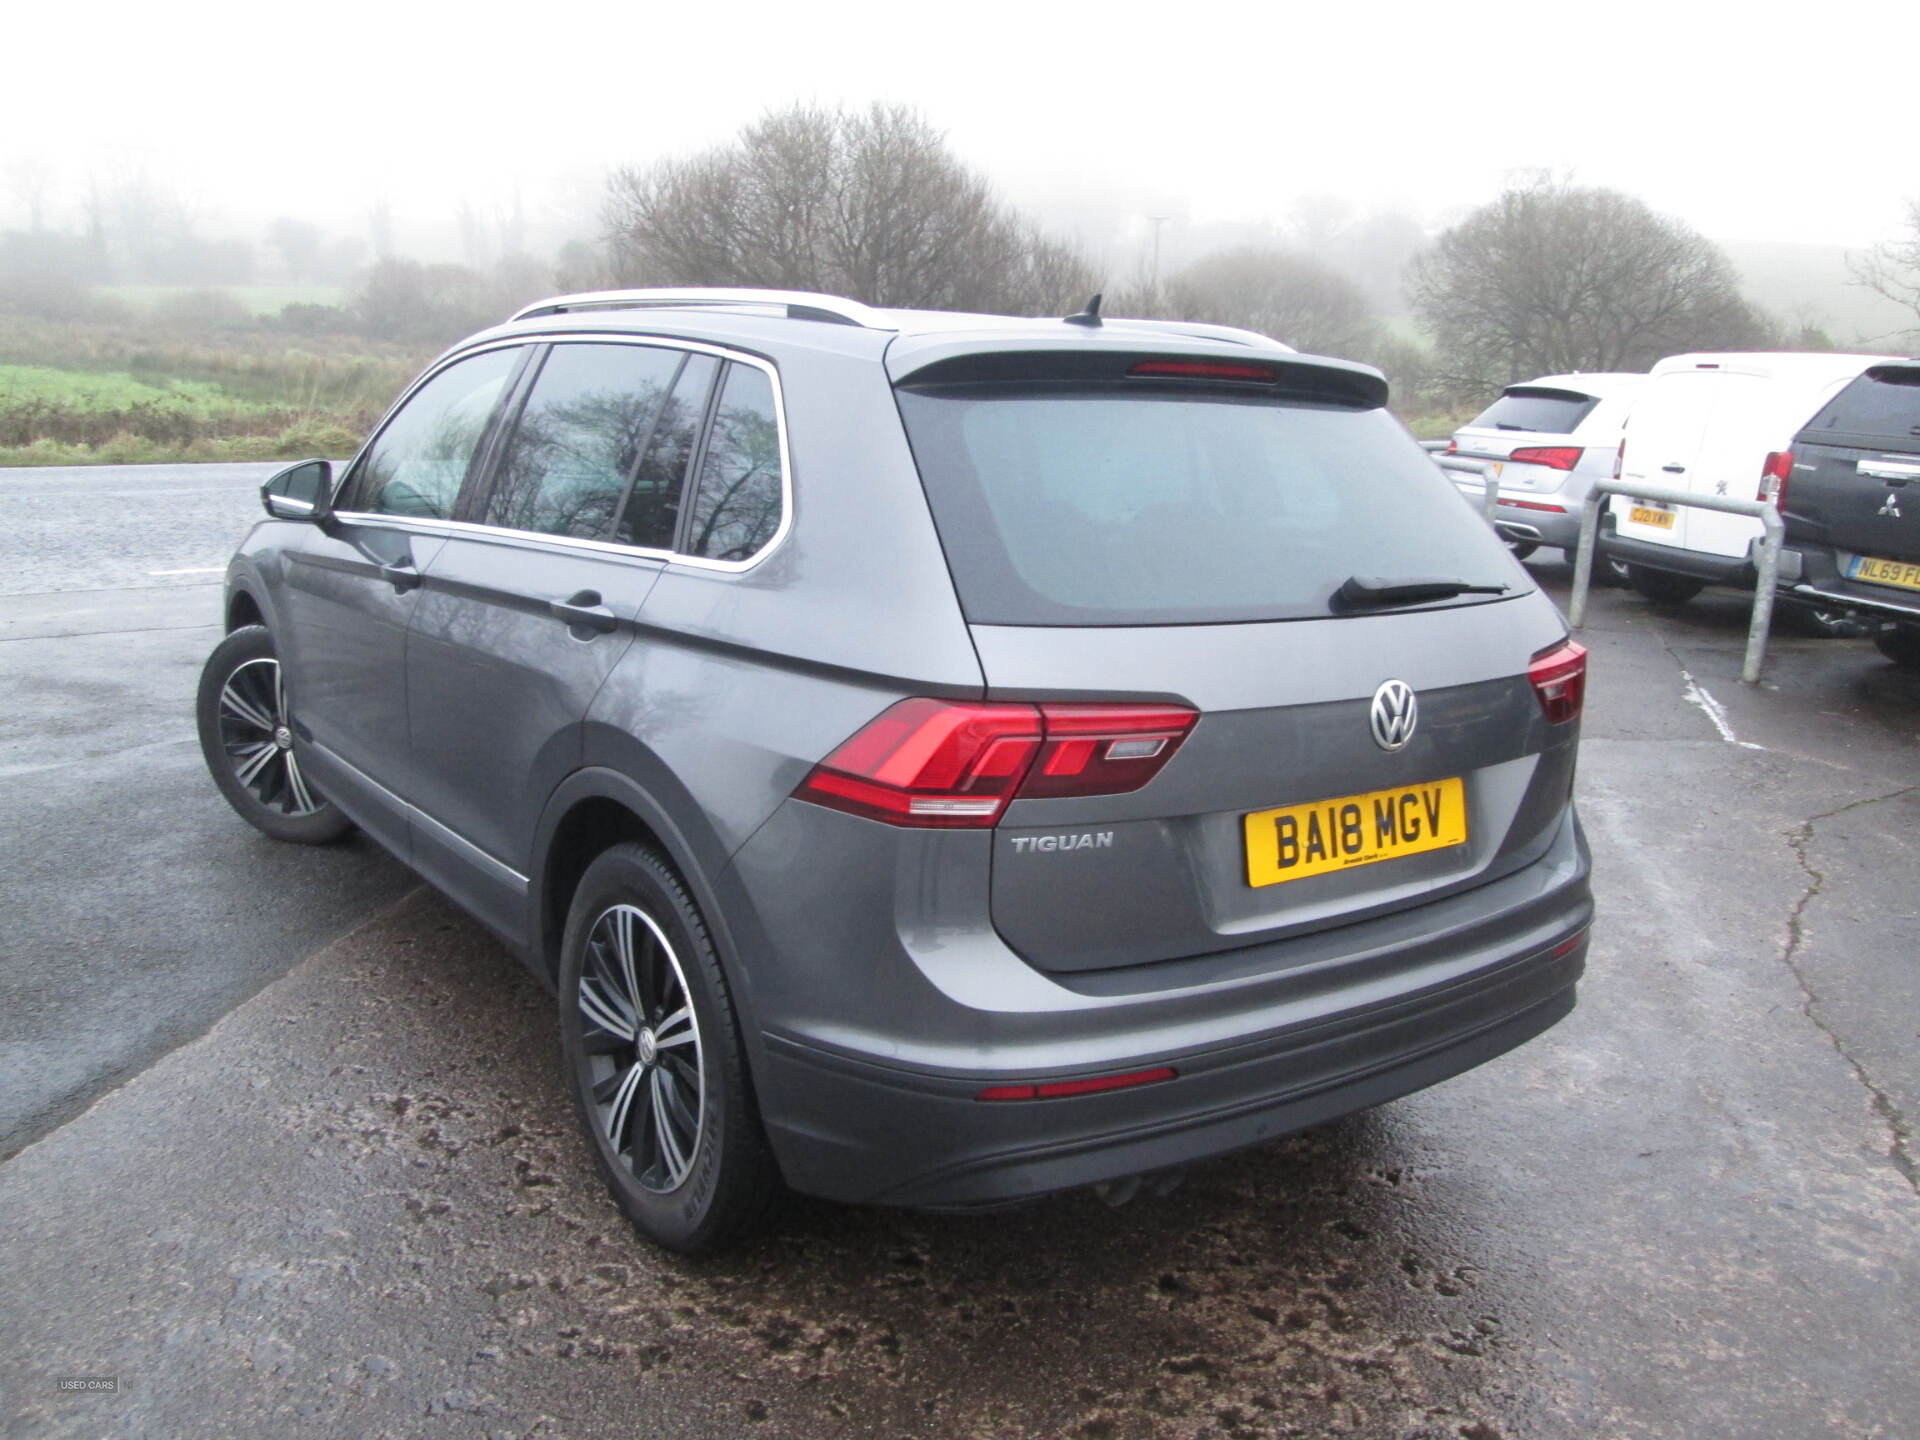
1882	405
1080	505
652	511
417	465
739	503
589	422
1536	408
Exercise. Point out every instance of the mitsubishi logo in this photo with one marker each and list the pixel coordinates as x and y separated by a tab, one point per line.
1395	713
1891	505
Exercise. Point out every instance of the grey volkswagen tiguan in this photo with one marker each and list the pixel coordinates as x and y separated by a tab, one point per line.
937	759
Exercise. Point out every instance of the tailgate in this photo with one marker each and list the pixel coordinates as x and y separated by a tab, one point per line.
1865	504
1234	842
1855	484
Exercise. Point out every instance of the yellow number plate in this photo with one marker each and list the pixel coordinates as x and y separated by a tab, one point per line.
1300	840
1647	515
1887	572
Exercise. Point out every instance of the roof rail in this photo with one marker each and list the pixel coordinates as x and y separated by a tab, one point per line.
797	304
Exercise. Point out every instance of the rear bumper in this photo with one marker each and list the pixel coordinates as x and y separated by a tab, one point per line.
1699	564
1515	521
1822	583
889	1137
885	1110
1549	528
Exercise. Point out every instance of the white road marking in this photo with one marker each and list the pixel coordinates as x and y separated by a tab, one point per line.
1696	694
196	570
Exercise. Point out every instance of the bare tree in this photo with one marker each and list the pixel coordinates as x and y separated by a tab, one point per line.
1318	220
299	245
1294	299
1892	269
869	204
380	229
32	181
1550	278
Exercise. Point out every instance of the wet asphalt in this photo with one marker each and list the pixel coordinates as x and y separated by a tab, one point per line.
356	1205
135	912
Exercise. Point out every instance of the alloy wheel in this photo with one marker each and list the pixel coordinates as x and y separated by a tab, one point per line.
641	1047
257	736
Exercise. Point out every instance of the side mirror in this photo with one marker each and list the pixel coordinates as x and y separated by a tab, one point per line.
300	492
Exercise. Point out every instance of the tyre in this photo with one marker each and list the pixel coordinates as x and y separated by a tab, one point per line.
1900	644
654	1059
246	735
1663	588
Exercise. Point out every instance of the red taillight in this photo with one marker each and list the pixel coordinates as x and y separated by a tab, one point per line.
1533	505
1104	749
1773	479
934	764
1554	457
1202	370
1055	1089
1619	458
1559	677
1453	447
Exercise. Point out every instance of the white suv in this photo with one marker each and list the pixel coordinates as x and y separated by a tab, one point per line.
1550	440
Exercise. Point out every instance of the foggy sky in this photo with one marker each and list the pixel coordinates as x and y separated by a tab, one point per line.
1749	122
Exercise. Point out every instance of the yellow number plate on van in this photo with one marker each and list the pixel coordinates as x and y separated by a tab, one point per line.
1886	572
1300	840
1647	515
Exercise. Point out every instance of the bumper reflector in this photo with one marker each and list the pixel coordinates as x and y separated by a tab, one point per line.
1056	1089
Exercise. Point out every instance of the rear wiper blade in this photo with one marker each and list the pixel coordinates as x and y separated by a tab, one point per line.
1358	590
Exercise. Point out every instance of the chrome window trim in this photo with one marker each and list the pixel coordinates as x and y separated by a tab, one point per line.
599	547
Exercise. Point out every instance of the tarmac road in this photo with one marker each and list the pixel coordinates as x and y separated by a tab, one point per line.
133	902
356	1206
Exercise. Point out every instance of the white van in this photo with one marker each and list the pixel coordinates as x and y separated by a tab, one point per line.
1714	425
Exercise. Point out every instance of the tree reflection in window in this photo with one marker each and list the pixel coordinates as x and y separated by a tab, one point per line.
653	503
737	507
587	423
419	462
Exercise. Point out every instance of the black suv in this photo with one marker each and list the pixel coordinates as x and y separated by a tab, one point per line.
1852	505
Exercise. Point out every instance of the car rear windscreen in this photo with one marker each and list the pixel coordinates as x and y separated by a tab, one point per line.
1084	505
1535	408
1884	404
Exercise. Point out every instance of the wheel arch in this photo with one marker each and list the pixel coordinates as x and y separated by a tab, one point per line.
243	610
593	809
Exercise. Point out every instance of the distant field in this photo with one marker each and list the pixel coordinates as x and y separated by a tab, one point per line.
259	299
37	402
64	417
140	388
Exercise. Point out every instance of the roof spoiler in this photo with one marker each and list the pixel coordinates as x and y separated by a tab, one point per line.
1308	377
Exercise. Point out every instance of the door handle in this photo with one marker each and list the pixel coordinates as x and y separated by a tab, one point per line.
584	611
403	577
1674	469
1891	471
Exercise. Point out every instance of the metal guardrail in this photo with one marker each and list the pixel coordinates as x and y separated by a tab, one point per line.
1766	560
1489	477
